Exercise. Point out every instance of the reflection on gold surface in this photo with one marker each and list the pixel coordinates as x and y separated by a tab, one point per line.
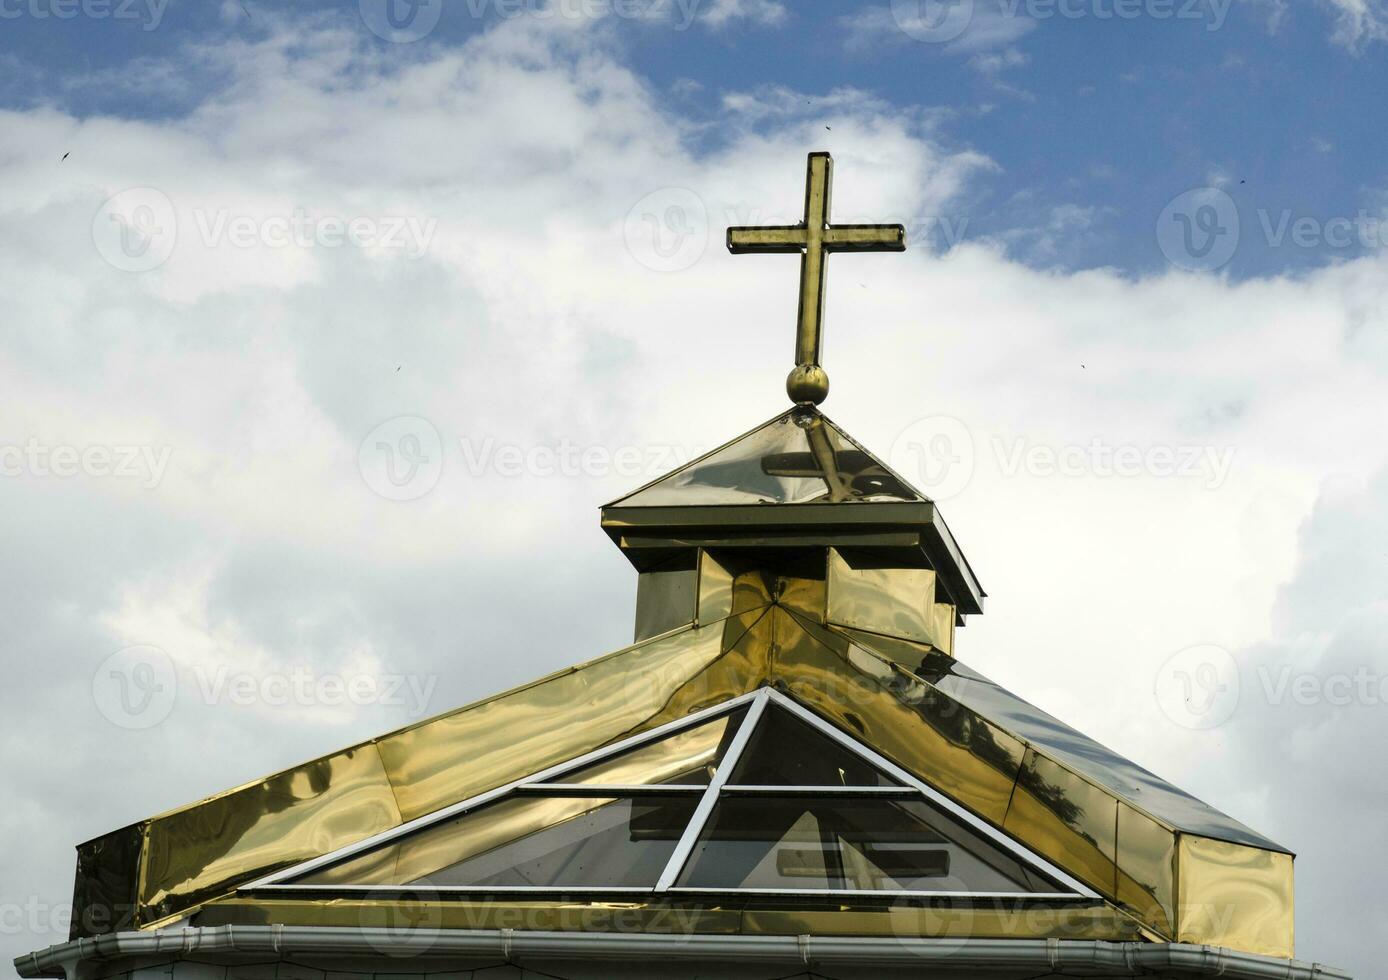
474	749
201	851
666	599
804	595
942	627
1236	896
407	914
887	690
715	589
889	649
196	853
1067	818
661	761
420	854
895	601
1147	869
1099	921
900	716
107	892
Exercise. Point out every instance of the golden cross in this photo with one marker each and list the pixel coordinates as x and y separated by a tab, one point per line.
814	238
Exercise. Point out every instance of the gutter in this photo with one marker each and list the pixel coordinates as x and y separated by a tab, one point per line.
83	958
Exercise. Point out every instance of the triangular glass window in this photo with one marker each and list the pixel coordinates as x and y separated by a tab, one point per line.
686	758
758	795
538	842
785	751
850	844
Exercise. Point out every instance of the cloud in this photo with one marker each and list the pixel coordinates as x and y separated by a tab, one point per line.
574	297
955	26
1358	22
764	13
1308	696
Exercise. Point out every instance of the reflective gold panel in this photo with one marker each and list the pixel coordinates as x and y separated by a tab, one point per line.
459	755
666	599
670	759
1147	869
106	896
897	601
905	719
408	914
1098	921
942	627
1067	818
716	589
1235	896
987	749
199	852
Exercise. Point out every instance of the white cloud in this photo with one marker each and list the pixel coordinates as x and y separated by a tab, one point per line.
766	13
1359	22
535	317
954	26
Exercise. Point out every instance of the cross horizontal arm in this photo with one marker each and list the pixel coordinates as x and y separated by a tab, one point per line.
865	238
770	238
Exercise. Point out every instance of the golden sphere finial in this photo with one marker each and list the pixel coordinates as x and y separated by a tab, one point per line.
807	384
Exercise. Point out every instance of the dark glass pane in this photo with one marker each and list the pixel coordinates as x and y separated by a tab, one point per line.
860	844
538	841
780	462
785	751
689	757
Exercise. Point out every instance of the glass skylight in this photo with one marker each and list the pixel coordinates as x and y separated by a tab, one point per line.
758	795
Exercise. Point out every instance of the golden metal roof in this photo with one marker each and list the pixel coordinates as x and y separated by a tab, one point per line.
1176	868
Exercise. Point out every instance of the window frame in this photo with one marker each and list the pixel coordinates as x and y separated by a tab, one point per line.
548	782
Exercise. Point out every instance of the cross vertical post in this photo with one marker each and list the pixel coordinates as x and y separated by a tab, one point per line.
814	238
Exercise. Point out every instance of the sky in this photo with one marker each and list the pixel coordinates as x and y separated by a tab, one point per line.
324	338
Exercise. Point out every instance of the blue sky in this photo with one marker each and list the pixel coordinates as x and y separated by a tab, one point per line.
1095	121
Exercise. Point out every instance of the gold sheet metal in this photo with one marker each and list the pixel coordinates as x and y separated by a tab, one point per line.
416	856
1147	870
666	599
1099	922
1067	818
716	597
474	749
882	689
942	627
546	915
1234	895
203	850
896	601
106	894
905	719
661	761
200	851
